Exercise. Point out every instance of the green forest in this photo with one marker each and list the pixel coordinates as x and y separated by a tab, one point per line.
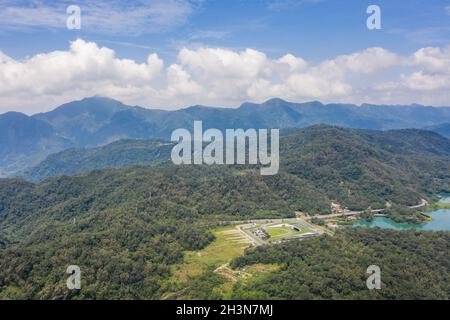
414	265
127	227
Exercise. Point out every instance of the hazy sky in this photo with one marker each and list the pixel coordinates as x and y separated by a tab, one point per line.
174	53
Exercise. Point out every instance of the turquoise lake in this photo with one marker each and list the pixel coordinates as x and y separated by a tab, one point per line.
440	222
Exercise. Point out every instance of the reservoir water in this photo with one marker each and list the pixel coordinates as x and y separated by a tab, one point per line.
440	222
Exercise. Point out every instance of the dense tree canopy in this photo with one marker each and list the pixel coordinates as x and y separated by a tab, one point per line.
414	265
127	227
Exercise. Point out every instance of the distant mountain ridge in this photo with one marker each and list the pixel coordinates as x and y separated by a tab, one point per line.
92	122
442	129
25	141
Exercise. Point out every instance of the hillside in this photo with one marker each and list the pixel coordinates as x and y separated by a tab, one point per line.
96	121
118	154
442	129
414	265
26	141
358	168
362	168
79	119
127	228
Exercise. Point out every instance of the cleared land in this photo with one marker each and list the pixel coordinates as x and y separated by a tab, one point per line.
284	232
229	244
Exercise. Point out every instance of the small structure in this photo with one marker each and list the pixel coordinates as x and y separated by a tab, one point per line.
336	208
260	233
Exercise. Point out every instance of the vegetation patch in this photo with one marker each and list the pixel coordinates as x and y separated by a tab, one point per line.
229	243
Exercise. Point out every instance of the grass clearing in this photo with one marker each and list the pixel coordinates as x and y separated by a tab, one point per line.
229	244
278	232
244	275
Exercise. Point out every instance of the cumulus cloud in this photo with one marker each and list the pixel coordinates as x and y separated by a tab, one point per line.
433	60
83	66
85	69
222	77
427	83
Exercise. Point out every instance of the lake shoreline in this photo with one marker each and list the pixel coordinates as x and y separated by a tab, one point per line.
438	219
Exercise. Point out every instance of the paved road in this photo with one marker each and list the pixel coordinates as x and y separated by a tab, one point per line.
336	215
422	203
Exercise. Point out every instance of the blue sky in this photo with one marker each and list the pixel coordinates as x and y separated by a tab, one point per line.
313	30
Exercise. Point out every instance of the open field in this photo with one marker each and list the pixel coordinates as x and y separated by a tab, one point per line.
229	244
284	232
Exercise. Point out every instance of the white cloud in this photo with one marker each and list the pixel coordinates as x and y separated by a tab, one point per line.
421	81
428	82
365	62
222	77
180	83
433	60
104	17
292	62
85	69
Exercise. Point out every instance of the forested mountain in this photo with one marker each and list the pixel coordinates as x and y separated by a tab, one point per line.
362	168
414	266
442	129
25	141
97	121
359	168
118	154
127	227
124	228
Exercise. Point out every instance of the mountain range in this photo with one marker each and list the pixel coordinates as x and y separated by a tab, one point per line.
27	140
357	167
